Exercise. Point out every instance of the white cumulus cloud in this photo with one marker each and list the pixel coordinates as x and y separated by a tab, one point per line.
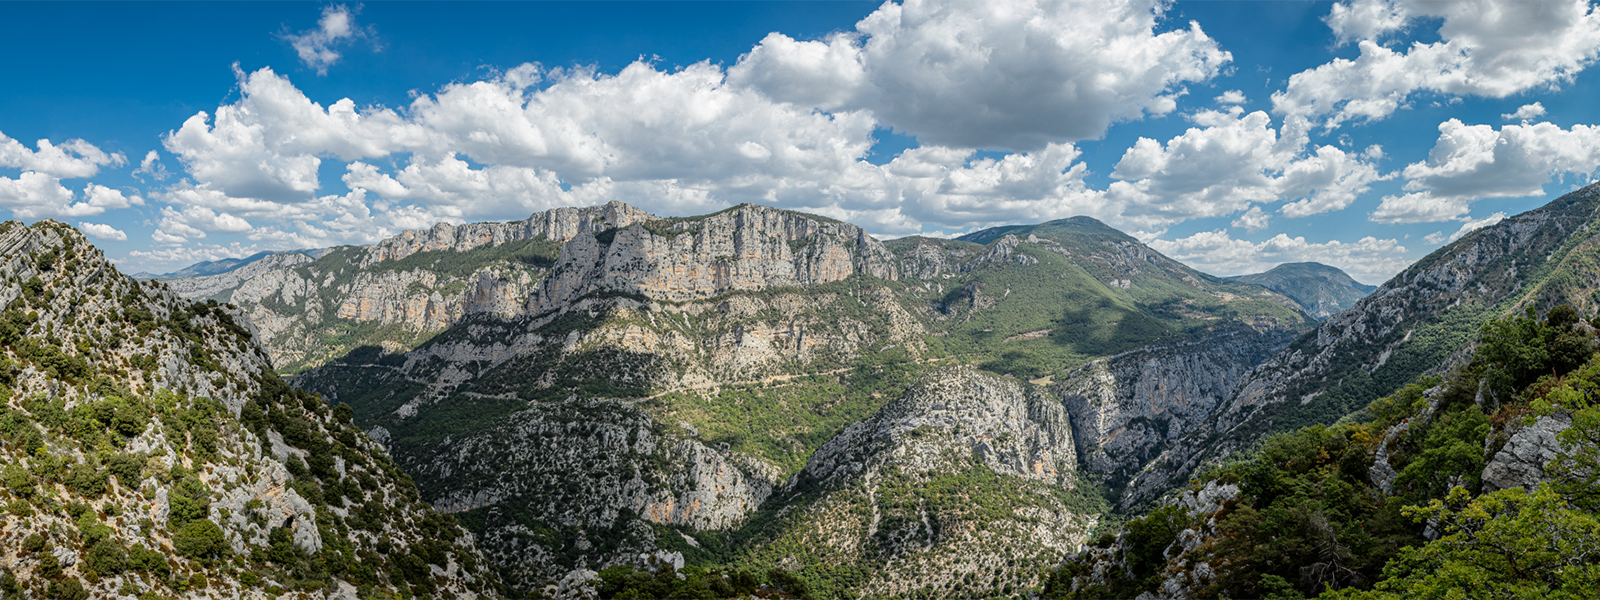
1488	48
1525	113
151	166
316	46
1014	74
102	231
1471	162
1235	159
36	195
1252	220
71	160
1369	259
1231	97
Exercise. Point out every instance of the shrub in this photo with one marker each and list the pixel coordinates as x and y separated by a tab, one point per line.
205	441
200	538
19	508
144	559
789	583
190	499
9	586
107	557
87	480
281	545
68	589
49	566
18	480
128	468
296	466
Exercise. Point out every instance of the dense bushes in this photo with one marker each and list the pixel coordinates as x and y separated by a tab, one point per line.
200	538
626	581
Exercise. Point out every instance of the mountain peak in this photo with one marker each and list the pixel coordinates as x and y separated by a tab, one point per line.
1070	226
1319	289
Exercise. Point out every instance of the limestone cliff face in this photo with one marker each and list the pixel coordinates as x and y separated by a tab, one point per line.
589	465
914	491
215	285
414	299
991	419
701	488
925	258
1127	409
747	248
559	224
298	303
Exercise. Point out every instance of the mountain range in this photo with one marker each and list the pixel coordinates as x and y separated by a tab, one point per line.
750	391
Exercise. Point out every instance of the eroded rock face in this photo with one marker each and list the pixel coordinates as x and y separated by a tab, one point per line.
607	249
617	445
213	285
956	424
1186	571
1128	408
1004	428
559	224
591	465
1524	458
747	248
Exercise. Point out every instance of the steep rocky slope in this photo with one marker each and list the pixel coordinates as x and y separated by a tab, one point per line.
1319	289
400	291
1422	320
148	450
1129	408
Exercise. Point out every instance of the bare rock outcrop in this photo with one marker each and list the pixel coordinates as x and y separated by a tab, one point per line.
1126	409
991	418
213	285
1524	458
559	224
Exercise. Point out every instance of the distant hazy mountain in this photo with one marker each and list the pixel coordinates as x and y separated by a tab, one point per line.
1319	289
218	267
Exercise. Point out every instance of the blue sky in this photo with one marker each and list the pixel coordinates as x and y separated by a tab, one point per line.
1230	135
